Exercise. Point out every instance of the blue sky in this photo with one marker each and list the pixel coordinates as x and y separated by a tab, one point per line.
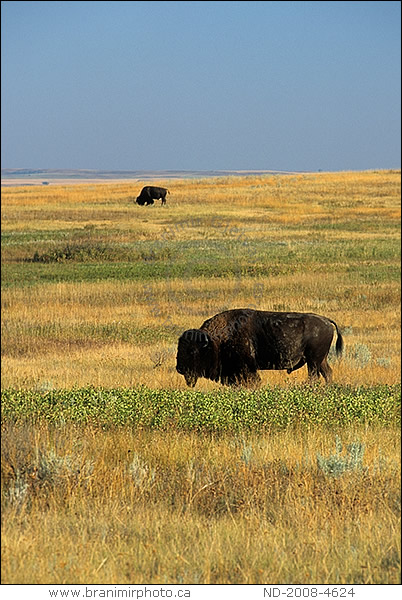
201	85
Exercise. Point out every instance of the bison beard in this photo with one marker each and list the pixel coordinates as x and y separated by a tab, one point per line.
233	345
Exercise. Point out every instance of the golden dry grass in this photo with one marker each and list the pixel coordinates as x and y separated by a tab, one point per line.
124	507
59	336
112	331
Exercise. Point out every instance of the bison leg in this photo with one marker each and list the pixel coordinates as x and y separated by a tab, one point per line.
246	379
314	371
326	371
252	380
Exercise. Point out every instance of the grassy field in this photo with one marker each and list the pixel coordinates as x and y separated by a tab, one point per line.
112	470
96	290
89	505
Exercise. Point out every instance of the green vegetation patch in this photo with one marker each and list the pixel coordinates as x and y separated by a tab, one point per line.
227	410
147	260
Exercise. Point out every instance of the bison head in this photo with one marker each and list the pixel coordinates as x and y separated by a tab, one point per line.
195	355
140	200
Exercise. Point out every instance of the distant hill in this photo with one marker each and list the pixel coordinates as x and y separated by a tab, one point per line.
45	176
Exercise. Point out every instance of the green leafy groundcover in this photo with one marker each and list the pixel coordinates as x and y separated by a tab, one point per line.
219	411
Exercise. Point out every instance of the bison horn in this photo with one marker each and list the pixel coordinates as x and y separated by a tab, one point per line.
196	336
204	340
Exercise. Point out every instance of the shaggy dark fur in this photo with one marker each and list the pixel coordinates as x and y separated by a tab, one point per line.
149	193
233	345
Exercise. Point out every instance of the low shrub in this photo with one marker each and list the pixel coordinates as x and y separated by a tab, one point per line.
220	411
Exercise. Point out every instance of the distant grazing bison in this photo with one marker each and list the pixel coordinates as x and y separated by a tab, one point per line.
233	345
149	193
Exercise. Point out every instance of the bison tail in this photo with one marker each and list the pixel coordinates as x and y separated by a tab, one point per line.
339	342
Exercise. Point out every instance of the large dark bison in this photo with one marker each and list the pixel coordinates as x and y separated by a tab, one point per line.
149	193
233	345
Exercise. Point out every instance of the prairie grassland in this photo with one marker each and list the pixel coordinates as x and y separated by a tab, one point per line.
112	334
97	485
96	289
96	506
